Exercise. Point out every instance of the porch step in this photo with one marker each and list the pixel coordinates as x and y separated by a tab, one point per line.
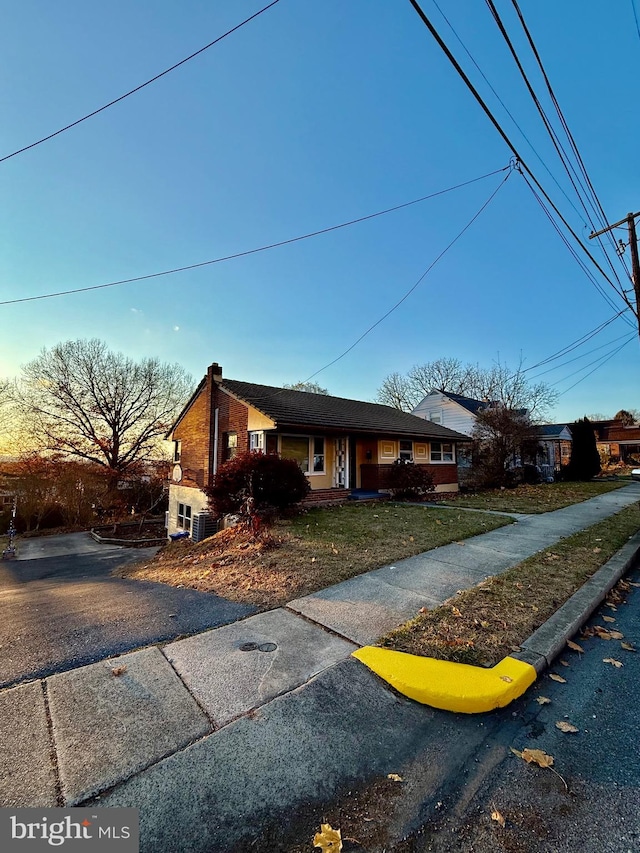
323	497
368	495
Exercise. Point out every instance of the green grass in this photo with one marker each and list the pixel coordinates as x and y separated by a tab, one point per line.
536	499
485	623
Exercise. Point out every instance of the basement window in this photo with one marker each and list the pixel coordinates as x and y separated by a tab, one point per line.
184	516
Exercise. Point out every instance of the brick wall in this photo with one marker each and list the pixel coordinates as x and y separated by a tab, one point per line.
193	432
376	476
233	416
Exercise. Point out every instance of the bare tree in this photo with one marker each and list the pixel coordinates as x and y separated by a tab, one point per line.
309	387
502	439
496	384
83	400
396	391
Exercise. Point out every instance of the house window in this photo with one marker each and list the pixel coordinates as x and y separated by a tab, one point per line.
231	447
184	516
436	416
441	452
177	451
256	441
309	453
318	455
406	450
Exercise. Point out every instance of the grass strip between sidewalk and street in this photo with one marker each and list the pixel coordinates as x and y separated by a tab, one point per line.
484	624
312	551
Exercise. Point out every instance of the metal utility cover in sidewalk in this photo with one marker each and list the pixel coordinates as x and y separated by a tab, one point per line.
233	669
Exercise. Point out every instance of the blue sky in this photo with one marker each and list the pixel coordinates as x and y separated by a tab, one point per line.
312	114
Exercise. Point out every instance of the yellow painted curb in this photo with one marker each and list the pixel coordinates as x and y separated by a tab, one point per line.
450	686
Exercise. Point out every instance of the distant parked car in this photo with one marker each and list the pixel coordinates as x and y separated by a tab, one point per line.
635	474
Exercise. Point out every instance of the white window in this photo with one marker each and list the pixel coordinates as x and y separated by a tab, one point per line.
303	448
406	450
184	516
436	416
441	452
256	440
231	445
177	451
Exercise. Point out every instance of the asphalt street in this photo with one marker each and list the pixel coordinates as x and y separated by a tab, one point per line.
598	810
60	607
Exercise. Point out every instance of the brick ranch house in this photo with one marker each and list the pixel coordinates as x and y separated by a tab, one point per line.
341	445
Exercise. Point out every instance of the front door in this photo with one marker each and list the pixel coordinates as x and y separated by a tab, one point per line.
340	468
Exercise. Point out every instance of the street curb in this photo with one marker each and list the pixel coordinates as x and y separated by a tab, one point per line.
544	645
472	690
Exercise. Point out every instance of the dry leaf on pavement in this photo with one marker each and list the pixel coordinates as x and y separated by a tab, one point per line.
542	700
608	619
617	635
574	646
628	647
534	756
328	839
564	662
118	670
495	815
559	678
602	632
613	662
566	727
394	777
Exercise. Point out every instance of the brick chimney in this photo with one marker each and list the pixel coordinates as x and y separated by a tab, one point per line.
214	373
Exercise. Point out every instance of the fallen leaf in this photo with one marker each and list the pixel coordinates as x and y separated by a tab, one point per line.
574	646
455	611
495	815
564	662
459	543
537	756
632	583
423	610
597	550
617	635
484	624
313	559
542	700
601	632
608	619
559	678
328	839
118	670
506	678
628	647
566	727
394	777
411	539
613	662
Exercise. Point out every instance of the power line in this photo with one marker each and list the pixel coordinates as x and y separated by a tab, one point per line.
598	206
582	355
578	260
507	110
635	16
602	363
418	282
575	344
141	86
259	248
503	134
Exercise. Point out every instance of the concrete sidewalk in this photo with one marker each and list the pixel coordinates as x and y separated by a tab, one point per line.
209	735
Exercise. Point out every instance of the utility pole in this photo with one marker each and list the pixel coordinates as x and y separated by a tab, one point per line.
630	219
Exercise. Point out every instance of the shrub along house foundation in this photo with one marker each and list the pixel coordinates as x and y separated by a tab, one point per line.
343	446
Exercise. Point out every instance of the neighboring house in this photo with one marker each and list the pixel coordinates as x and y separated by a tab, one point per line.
617	442
554	449
460	413
341	445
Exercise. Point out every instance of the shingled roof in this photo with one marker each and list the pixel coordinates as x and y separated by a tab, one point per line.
301	409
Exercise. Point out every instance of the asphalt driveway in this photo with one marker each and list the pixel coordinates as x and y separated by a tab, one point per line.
61	608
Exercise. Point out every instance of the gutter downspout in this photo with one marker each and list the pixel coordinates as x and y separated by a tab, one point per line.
214	467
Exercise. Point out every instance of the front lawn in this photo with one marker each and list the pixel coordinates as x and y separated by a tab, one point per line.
312	551
544	497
